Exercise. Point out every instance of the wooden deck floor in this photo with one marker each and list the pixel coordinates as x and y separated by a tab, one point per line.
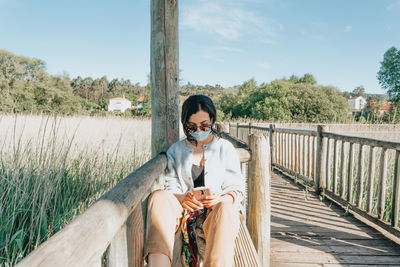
308	232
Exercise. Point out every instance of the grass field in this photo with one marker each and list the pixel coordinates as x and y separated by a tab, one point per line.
53	168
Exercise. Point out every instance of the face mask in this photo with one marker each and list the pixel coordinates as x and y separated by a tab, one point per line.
200	136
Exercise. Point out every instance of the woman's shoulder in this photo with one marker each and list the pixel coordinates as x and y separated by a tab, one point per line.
178	146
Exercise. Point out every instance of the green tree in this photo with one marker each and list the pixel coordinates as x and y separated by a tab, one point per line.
389	73
359	91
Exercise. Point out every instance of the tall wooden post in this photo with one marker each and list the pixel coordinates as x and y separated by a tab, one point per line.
164	58
259	196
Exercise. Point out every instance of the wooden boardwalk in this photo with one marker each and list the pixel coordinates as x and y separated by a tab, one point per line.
308	232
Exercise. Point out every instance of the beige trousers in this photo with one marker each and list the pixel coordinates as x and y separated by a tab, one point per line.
220	228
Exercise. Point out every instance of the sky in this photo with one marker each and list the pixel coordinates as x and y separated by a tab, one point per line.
223	42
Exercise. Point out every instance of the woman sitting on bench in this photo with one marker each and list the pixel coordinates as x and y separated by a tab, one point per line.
202	161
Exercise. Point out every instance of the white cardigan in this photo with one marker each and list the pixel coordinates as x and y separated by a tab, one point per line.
221	169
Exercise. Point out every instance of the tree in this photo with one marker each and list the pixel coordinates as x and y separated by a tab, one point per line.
286	100
359	91
389	73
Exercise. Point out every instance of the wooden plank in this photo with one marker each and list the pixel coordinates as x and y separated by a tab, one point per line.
135	237
359	249
296	131
272	143
117	254
259	196
286	150
386	226
371	178
364	141
295	150
314	158
342	170
164	73
382	184
360	176
319	158
324	258
350	174
328	165
291	172
303	157
245	252
309	150
335	161
396	191
280	149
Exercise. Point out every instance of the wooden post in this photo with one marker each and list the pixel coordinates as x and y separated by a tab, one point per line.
164	73
319	163
303	161
342	170
259	196
328	165
382	184
335	156
371	178
117	254
360	176
135	236
350	175
272	143
309	158
396	191
295	153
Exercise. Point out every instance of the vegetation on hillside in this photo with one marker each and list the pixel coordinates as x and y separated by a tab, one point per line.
294	99
26	87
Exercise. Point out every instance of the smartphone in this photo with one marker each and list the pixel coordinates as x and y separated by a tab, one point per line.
201	193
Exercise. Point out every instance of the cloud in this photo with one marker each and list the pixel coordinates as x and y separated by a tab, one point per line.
348	28
393	5
228	22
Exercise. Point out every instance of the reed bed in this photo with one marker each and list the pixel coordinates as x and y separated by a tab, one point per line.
53	168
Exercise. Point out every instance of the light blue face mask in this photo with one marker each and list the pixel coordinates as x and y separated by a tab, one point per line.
201	136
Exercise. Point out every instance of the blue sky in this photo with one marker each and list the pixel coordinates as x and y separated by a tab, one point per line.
222	42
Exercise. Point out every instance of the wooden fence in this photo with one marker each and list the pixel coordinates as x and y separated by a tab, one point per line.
361	174
114	224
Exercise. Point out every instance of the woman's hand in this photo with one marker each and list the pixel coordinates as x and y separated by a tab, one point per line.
190	203
213	199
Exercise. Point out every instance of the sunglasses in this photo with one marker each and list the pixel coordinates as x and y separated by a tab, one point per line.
191	127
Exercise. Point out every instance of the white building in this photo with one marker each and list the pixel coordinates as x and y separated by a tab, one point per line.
119	104
357	103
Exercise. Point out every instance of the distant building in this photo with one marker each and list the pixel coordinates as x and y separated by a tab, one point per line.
357	103
384	108
119	104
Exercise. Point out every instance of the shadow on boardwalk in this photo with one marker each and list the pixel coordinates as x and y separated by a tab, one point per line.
308	232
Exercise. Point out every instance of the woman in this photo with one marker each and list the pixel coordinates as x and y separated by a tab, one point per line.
201	159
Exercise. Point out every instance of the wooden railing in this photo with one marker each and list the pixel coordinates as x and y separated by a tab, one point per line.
361	174
115	223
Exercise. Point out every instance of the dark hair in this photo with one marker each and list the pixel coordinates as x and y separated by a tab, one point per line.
194	104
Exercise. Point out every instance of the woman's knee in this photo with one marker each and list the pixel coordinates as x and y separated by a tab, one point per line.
162	199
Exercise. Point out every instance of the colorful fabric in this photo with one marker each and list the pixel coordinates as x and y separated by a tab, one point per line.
190	249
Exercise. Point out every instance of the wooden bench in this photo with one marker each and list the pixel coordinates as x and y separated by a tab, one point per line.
114	224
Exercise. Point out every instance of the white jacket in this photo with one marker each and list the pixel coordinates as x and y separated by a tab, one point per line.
221	169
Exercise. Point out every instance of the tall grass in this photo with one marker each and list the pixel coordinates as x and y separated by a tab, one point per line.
49	177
